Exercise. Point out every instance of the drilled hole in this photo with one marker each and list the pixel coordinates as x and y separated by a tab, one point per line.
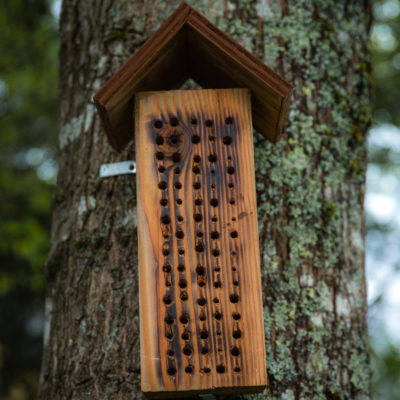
166	234
181	267
167	268
195	139
179	202
216	300
196	158
214	202
212	158
189	369
162	185
217	315
186	335
173	121
198	217
176	157
169	335
209	123
165	219
200	247
234	298
204	350
202	317
233	269
212	171
158	124
211	138
168	283
169	320
231	185
234	219
159	140
235	351
235	283
159	155
229	120
165	251
184	296
184	319
227	140
179	234
236	316
234	234
181	251
202	301
193	121
232	201
197	185
170	352
187	351
221	368
200	270
178	185
217	269
214	235
196	169
236	369
182	283
204	334
229	158
171	371
212	186
215	252
201	283
237	334
164	202
230	170
177	170
161	168
199	234
174	139
217	284
233	252
198	202
180	218
206	370
214	218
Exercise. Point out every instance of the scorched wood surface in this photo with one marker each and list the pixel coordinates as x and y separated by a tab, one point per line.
200	287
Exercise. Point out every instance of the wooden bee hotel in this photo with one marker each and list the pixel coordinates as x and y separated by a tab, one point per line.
201	315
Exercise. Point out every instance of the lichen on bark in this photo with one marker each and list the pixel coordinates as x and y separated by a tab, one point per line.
310	190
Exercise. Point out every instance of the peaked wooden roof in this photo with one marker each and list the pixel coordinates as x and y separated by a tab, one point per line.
187	45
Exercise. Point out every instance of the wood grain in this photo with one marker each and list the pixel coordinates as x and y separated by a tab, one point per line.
188	45
200	288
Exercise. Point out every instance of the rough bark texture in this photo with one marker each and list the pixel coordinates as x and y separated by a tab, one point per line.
310	190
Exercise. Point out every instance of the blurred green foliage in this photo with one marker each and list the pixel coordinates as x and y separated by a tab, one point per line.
28	132
383	239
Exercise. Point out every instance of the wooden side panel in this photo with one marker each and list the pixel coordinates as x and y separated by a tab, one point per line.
200	287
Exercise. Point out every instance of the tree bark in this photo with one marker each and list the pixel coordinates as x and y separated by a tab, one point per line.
310	192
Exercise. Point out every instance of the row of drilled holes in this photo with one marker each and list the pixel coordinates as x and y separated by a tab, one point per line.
158	124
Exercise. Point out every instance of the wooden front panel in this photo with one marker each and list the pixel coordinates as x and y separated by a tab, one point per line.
200	287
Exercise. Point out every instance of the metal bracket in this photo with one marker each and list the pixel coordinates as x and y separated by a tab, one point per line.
119	168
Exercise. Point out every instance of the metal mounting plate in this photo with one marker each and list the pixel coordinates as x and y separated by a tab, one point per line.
119	168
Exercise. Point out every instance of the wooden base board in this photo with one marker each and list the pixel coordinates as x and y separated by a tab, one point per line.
200	288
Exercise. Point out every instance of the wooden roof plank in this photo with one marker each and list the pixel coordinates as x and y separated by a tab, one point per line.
221	62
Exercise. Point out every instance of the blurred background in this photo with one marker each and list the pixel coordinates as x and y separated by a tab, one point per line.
28	142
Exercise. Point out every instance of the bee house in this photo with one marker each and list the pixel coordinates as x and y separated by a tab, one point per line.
201	315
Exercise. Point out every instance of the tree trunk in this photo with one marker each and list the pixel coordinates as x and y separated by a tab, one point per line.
310	192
